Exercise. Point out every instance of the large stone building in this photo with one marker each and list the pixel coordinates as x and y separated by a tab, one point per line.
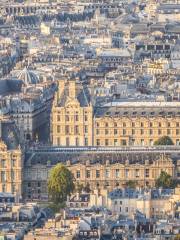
100	168
72	116
11	159
76	123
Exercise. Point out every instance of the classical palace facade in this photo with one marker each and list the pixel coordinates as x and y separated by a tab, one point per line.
75	122
11	159
72	116
98	169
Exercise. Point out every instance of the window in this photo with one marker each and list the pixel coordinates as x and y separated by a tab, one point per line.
115	142
150	124
133	124
137	173
106	131
78	174
168	131
76	129
88	174
58	141
12	175
85	118
115	124
124	124
159	132
124	131
150	131
76	118
97	124
3	176
115	131
142	131
126	173
13	162
147	173
169	124
13	188
106	142
142	142
58	129
67	118
58	118
97	131
66	129
97	173
177	124
98	142
117	172
107	173
123	142
4	188
177	131
126	209
86	129
39	184
67	141
142	124
106	124
159	124
3	163
77	141
86	141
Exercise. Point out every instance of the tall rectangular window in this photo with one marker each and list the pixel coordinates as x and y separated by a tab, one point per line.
86	141
78	174
97	173
86	129
107	173
3	163
88	173
117	173
126	173
58	129
3	176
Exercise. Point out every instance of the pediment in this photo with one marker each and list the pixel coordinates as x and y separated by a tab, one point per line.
72	103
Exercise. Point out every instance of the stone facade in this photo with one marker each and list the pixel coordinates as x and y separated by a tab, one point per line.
72	116
11	166
107	171
76	123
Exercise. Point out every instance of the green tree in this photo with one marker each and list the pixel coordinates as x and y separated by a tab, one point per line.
177	237
130	184
60	183
165	140
165	180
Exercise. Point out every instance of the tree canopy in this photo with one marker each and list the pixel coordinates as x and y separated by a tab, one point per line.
165	180
131	184
165	140
60	183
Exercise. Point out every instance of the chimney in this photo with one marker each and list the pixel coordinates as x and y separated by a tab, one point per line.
61	87
72	89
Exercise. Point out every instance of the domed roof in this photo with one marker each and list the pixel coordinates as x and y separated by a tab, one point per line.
27	76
